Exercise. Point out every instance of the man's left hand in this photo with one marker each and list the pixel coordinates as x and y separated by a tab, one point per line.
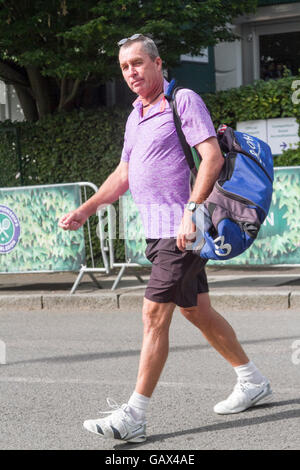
187	231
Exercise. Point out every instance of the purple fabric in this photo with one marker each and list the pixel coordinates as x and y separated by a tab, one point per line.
158	171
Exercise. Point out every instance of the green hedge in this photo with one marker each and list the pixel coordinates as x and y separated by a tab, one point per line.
63	148
86	145
262	100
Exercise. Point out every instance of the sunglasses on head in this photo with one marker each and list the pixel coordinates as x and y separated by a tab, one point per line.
132	38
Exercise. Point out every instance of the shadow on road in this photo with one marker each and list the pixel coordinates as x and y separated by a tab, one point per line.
134	352
236	423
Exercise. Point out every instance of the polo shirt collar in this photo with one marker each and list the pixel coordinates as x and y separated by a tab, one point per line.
138	101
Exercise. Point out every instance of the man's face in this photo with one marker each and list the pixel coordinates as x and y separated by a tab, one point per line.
141	73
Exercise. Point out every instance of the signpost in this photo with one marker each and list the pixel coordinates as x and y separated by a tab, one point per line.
256	128
280	133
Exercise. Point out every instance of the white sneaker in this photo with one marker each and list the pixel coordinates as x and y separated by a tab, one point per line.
118	425
244	395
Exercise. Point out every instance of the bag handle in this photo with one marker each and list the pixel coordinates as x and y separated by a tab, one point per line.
170	96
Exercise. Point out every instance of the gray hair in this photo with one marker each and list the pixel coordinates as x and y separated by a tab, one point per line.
148	45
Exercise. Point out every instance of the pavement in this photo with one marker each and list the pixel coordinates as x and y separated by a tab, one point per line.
231	287
61	365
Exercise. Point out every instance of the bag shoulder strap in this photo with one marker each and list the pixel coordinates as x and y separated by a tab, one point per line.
170	96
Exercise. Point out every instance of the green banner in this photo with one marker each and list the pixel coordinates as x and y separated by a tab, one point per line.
278	241
135	243
30	239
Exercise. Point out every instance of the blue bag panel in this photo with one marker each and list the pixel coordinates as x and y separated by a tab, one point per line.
260	150
250	182
230	241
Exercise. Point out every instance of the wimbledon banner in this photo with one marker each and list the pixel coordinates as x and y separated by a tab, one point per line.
278	241
30	239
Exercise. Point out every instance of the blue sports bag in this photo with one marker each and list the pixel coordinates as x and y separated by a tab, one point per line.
229	220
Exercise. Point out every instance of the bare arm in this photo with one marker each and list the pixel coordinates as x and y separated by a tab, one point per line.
110	191
211	165
112	188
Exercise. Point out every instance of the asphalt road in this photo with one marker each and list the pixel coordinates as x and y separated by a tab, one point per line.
61	366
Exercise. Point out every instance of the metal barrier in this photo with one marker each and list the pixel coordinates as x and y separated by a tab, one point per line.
277	244
106	247
30	239
130	218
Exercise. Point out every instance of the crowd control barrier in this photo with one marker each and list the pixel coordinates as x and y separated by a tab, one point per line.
129	230
32	242
278	241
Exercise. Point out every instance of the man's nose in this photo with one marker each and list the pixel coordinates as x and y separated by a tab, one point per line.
132	71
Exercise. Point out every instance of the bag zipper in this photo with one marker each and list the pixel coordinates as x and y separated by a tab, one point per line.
234	196
244	152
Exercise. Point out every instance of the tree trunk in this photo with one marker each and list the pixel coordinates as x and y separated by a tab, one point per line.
40	88
68	92
27	103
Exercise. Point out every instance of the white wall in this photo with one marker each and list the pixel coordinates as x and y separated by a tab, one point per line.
237	63
228	65
10	107
15	107
2	101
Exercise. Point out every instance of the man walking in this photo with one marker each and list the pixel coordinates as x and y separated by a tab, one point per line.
154	167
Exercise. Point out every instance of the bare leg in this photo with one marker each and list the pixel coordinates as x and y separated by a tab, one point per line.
216	330
156	318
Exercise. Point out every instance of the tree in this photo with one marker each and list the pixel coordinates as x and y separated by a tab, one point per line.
51	49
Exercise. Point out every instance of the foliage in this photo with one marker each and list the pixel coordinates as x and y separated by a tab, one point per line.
262	100
42	245
290	157
86	145
278	238
66	148
50	49
135	243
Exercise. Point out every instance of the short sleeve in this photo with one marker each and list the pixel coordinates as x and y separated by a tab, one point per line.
196	121
126	146
125	152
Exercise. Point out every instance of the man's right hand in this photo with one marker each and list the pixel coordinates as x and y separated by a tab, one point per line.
72	220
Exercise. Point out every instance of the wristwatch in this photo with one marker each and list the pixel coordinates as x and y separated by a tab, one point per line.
191	206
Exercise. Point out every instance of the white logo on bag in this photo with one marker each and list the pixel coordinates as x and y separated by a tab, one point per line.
222	246
255	148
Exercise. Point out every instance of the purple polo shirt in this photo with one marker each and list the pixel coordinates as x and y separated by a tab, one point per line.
158	171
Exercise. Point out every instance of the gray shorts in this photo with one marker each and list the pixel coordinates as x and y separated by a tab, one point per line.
176	276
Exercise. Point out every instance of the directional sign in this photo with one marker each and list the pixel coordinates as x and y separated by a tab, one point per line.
282	134
257	128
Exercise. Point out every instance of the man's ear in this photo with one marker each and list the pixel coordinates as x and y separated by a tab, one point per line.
158	62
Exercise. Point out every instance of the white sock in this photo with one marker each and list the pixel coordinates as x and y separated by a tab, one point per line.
138	406
249	373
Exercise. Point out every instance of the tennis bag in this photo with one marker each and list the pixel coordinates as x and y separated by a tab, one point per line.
229	220
240	200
